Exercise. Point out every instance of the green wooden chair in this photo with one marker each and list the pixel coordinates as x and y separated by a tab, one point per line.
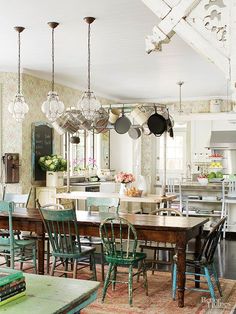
47	241
63	232
203	265
120	246
16	250
103	205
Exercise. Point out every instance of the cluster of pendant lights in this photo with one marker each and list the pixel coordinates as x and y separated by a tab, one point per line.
53	108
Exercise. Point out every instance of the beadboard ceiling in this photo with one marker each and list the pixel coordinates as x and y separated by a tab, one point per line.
121	69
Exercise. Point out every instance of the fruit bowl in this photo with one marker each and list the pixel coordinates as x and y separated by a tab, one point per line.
203	181
133	192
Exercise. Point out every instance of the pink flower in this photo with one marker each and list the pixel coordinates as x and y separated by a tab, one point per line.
124	177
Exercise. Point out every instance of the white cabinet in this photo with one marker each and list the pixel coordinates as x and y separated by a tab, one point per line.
200	135
47	195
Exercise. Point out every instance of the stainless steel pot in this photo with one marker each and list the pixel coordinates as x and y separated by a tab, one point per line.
122	124
101	120
134	133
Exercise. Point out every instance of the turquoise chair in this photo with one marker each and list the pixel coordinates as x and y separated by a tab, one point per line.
16	250
103	205
203	265
63	232
120	246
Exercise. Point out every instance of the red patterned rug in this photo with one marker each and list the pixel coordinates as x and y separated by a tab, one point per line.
159	300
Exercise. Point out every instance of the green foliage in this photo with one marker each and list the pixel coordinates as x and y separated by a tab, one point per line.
52	163
211	175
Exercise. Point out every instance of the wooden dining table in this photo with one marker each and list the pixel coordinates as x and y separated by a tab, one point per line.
178	230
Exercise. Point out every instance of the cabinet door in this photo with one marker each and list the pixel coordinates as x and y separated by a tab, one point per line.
201	133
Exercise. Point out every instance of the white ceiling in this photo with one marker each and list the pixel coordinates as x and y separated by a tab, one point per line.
121	69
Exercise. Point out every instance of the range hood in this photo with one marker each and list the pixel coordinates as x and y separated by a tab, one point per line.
223	140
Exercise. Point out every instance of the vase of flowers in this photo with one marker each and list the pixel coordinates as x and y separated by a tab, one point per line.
124	178
54	165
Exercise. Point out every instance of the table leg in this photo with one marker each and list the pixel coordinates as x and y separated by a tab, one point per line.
40	241
181	265
198	245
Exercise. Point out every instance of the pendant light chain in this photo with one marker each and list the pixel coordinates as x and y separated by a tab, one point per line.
53	108
18	107
53	60
19	61
89	57
180	83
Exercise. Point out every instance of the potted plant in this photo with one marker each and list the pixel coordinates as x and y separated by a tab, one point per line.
54	165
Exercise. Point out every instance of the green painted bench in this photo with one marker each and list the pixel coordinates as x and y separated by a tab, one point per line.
48	295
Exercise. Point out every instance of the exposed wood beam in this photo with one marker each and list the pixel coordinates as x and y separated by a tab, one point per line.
201	45
159	7
173	19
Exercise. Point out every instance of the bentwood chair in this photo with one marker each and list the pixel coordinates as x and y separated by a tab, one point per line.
62	228
103	205
120	250
16	250
204	264
158	248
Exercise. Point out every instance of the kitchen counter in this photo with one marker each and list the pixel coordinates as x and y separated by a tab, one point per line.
195	186
87	183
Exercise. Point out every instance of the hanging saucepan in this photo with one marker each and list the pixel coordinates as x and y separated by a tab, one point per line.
169	124
68	122
134	133
122	124
157	124
101	120
75	139
146	130
82	121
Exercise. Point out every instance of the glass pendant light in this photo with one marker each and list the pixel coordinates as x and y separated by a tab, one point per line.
18	107
88	103
53	107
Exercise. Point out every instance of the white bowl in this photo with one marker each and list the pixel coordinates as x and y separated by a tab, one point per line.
203	181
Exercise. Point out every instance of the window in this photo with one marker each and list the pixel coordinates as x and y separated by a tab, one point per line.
175	154
92	150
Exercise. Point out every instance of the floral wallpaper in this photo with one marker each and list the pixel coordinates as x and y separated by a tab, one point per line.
16	137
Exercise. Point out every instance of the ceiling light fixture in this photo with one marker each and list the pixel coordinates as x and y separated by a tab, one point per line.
18	107
89	104
180	83
53	107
